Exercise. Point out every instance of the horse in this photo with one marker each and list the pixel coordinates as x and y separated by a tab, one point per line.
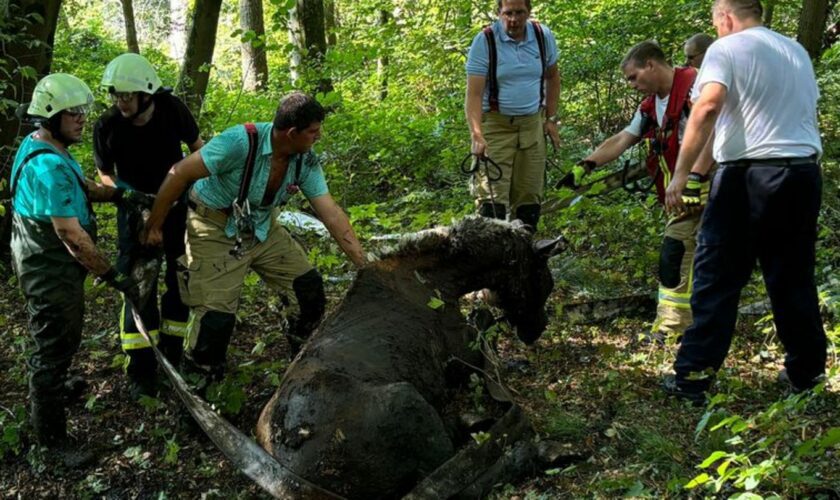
361	409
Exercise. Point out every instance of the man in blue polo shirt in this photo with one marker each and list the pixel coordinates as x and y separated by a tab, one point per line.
226	239
510	110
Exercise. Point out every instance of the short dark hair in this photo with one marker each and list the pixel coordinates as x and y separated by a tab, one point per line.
643	52
499	5
742	8
700	42
298	110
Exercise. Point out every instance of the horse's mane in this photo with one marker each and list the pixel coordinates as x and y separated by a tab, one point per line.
471	234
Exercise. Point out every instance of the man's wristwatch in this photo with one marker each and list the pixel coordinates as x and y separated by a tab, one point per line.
553	118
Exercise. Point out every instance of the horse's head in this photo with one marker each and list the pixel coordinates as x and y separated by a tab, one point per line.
504	258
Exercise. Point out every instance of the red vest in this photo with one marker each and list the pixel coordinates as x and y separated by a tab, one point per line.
664	142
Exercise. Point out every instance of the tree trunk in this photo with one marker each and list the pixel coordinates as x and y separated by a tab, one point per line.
812	21
769	7
130	28
254	64
21	56
195	72
331	21
306	31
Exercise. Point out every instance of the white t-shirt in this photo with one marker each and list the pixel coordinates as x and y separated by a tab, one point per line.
771	99
635	127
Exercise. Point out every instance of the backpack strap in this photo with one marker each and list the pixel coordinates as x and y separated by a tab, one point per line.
492	64
540	36
250	159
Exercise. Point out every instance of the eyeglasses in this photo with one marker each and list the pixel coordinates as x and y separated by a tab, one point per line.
122	96
76	112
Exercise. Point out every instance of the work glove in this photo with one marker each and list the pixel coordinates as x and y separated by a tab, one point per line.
126	285
129	198
573	179
696	191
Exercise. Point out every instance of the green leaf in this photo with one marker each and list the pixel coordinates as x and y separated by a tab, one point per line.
831	438
435	303
750	483
698	480
711	459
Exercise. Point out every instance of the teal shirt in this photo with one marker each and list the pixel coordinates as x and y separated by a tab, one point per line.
225	157
49	185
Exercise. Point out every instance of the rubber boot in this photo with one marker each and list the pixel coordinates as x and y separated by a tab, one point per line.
142	374
493	210
49	423
172	347
529	215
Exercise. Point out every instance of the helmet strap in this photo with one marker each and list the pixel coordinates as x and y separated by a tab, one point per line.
53	124
142	105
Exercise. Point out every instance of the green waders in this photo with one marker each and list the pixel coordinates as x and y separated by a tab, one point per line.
53	284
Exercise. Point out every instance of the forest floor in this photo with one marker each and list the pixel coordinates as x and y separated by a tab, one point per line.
593	387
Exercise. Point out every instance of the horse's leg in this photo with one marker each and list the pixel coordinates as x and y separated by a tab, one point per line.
469	466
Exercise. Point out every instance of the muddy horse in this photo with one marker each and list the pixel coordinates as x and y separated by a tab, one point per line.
360	409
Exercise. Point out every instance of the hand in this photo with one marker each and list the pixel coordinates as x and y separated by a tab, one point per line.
673	194
125	285
479	146
550	129
696	192
129	198
151	236
573	179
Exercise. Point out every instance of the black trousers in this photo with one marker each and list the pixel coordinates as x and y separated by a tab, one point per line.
769	214
172	308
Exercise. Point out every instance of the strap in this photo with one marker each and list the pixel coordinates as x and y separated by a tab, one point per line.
31	155
540	36
39	152
248	172
492	61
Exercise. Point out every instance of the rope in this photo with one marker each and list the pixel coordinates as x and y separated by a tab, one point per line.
492	171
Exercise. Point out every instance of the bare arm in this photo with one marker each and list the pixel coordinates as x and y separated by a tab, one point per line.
181	175
698	130
552	80
612	148
706	159
99	192
80	245
339	227
195	146
472	110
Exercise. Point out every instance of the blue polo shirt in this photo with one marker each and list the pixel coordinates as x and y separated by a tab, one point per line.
49	184
225	157
518	68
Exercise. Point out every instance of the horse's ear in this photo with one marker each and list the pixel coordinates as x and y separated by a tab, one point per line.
549	248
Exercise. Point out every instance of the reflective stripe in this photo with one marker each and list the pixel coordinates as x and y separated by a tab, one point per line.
137	341
174	328
134	340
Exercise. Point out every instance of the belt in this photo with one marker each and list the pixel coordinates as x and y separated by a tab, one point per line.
771	162
219	215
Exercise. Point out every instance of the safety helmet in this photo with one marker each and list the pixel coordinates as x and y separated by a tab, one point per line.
60	92
131	72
